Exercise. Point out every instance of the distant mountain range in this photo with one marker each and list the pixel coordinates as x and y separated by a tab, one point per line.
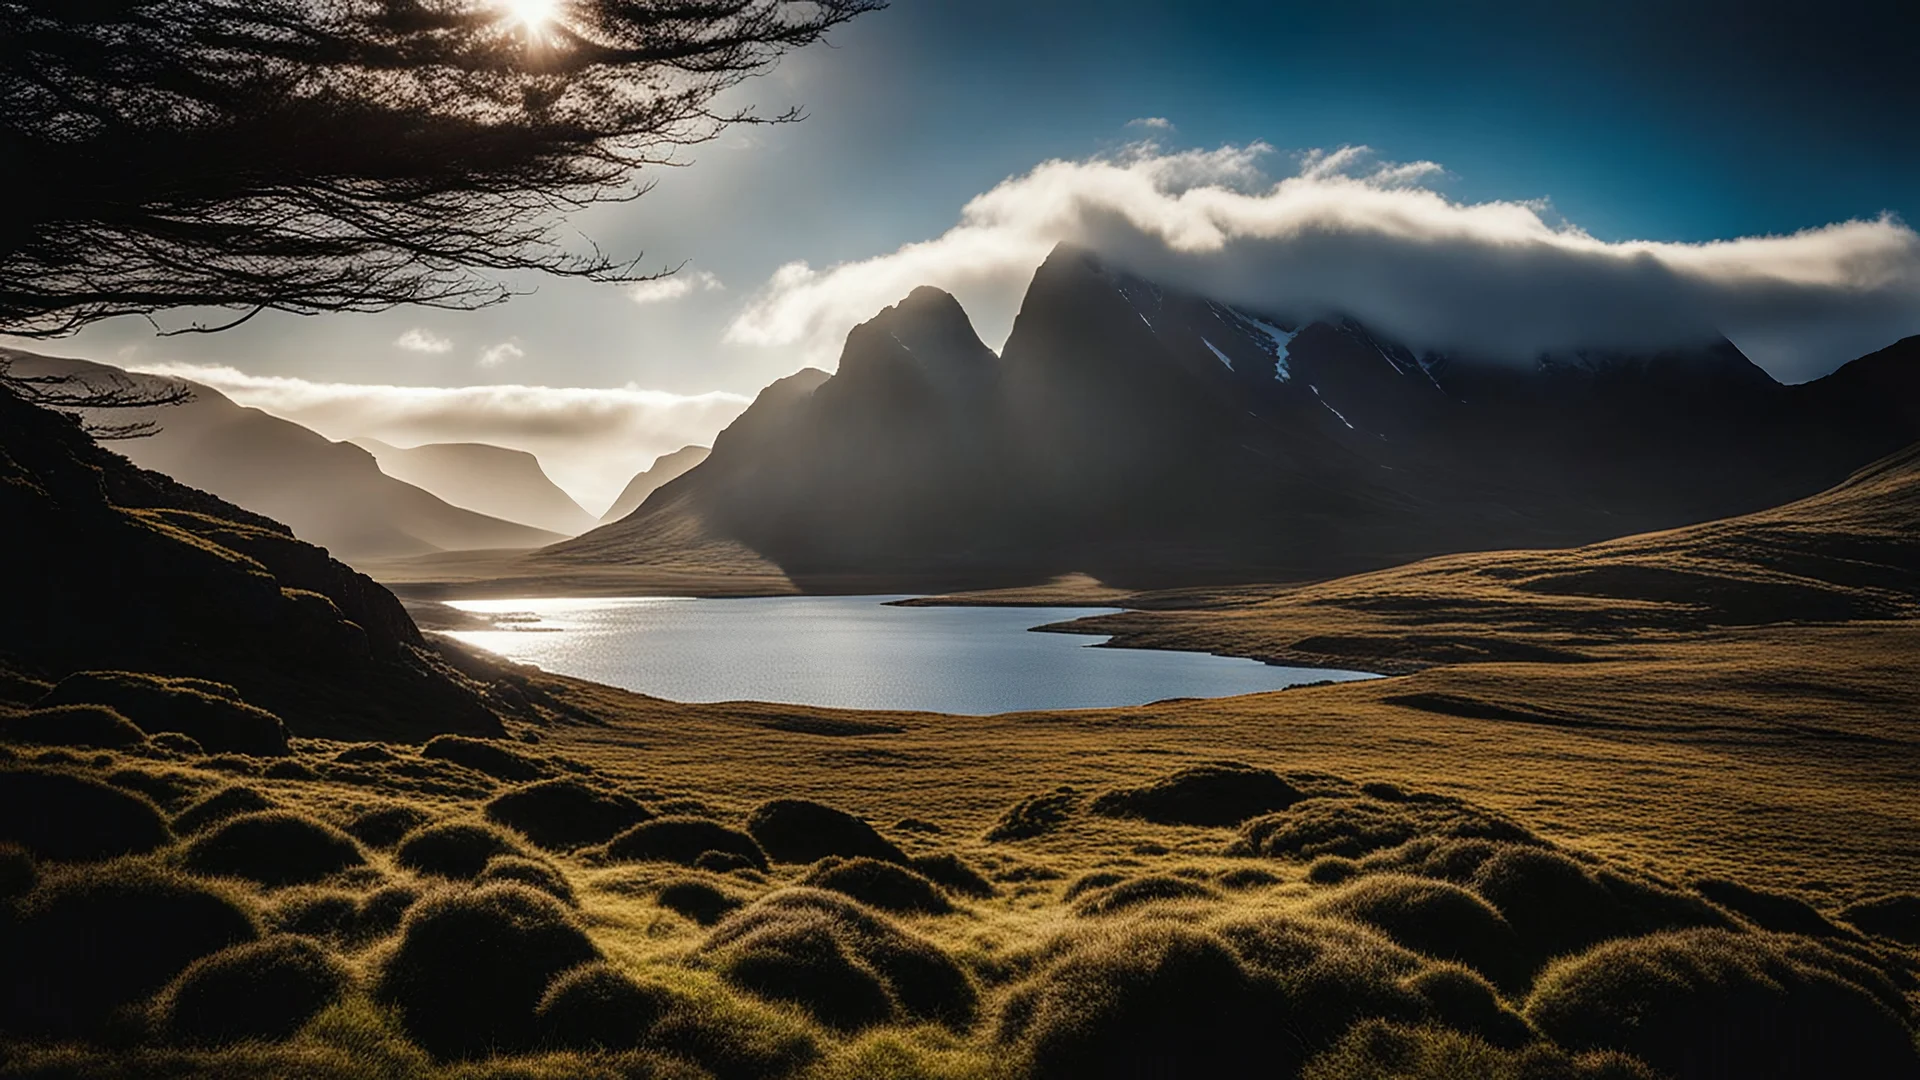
1152	437
333	494
492	480
665	468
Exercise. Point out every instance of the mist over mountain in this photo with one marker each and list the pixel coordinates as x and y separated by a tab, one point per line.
332	494
1153	436
492	480
665	468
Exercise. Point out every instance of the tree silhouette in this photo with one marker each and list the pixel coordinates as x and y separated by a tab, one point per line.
345	155
85	398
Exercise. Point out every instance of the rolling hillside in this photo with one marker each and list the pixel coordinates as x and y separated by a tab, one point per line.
492	480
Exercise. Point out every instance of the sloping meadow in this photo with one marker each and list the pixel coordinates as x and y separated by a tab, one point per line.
479	908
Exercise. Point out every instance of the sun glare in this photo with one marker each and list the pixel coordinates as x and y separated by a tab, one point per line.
532	14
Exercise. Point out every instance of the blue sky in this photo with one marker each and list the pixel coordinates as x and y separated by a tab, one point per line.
1632	121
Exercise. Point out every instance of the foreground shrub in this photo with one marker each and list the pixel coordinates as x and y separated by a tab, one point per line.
528	872
1152	1000
953	874
1134	892
799	831
263	990
455	849
62	817
1381	1051
274	848
565	813
1558	905
72	725
848	966
596	1007
210	713
228	802
1220	793
385	826
1896	917
1715	1004
472	966
683	840
484	756
90	941
879	884
1035	815
1436	918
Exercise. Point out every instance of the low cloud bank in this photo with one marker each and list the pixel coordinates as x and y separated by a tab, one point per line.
1346	233
590	441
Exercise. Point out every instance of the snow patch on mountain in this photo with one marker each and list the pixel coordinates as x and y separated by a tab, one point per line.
1222	357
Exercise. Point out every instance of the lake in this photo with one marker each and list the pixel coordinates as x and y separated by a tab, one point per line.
856	652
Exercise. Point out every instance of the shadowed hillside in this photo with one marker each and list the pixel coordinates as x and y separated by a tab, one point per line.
492	480
665	469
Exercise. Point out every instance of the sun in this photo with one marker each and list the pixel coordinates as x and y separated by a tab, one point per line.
535	15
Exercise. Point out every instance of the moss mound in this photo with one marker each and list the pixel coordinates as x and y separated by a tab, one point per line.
1704	1004
385	826
316	913
1330	975
167	789
455	849
1220	793
273	848
262	990
484	756
700	901
1151	1000
210	713
1461	998
72	725
1767	910
848	966
683	840
91	941
1558	905
1247	877
528	872
953	874
1433	917
565	813
1896	917
472	966
228	802
365	754
1332	870
596	1007
173	742
799	831
1134	892
1380	1051
1035	815
1355	827
879	884
62	817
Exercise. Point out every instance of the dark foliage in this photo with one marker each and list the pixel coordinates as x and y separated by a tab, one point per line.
18	874
849	966
1767	910
596	1007
72	725
472	966
1716	1005
262	990
1219	793
91	941
884	885
1035	815
228	802
700	901
385	826
61	817
953	874
683	840
1436	918
799	831
487	756
1896	917
566	813
210	713
455	849
382	911
273	848
1133	892
528	872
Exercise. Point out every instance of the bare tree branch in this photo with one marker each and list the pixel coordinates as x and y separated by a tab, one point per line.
81	396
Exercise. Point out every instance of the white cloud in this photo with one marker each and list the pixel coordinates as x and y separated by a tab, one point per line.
1152	123
591	441
661	290
423	341
1346	233
494	356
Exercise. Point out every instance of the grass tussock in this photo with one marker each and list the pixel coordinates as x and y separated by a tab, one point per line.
1035	815
1129	893
96	726
684	840
484	756
597	1007
1768	910
1896	917
456	849
1441	920
954	874
698	900
385	826
883	885
529	872
211	714
264	990
471	967
1380	1051
65	817
566	813
18	873
1218	793
1559	905
273	848
802	831
228	802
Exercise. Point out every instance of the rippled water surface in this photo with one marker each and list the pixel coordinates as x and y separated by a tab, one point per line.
856	652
